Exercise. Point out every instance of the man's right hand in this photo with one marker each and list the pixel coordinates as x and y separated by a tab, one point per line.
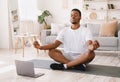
36	44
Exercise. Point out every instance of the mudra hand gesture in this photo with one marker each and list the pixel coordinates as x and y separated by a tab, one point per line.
36	44
94	45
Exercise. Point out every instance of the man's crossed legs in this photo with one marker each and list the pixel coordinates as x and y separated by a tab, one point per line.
78	63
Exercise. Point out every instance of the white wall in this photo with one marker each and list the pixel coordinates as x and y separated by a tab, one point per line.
13	4
4	30
60	15
27	9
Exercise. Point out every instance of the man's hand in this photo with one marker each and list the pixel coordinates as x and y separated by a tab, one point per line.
36	44
93	46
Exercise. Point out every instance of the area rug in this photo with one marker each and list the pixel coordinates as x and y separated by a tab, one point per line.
102	70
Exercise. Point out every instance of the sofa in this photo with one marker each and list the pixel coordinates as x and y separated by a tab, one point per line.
109	43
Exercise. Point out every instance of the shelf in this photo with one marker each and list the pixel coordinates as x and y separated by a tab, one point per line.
97	20
99	0
89	10
94	19
112	0
113	9
107	9
95	1
116	19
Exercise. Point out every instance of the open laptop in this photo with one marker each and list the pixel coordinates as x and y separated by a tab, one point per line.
26	68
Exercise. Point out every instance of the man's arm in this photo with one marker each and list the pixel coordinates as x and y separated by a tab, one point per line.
47	47
92	45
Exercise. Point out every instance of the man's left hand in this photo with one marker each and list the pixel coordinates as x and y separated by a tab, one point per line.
94	45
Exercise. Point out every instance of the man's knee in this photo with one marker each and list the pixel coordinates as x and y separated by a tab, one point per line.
51	52
90	55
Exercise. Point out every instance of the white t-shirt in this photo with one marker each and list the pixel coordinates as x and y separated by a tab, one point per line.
74	41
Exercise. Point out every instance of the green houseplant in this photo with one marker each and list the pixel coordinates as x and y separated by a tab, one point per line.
42	18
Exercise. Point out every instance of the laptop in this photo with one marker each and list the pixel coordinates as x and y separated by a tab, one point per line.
26	68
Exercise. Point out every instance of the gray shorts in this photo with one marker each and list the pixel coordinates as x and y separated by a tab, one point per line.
71	56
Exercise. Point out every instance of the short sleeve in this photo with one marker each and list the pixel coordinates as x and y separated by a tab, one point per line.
88	35
60	36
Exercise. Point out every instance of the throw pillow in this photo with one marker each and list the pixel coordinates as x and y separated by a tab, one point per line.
56	28
108	29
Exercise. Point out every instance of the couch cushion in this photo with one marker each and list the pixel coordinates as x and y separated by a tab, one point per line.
56	28
108	29
94	28
107	41
50	39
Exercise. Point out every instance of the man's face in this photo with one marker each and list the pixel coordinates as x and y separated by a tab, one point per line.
75	17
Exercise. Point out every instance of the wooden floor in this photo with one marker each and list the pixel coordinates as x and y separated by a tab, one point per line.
8	71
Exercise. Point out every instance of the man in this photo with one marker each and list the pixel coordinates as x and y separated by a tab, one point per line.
78	46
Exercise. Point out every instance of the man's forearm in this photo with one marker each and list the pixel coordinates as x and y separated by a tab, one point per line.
48	47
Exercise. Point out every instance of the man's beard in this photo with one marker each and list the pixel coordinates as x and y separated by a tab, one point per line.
74	22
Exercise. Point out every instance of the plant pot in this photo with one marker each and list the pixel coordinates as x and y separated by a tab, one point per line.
45	26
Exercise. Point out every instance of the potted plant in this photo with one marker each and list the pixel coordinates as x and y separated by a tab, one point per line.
42	18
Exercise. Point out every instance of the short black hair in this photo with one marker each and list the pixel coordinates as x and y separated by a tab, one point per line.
77	11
